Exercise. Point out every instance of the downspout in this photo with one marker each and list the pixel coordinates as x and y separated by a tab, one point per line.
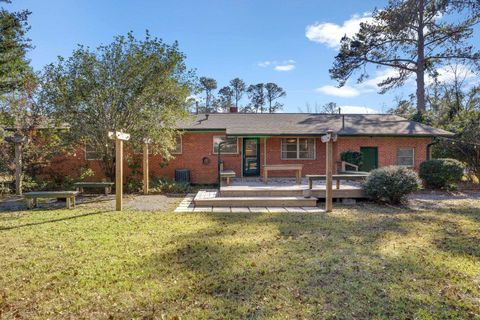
429	147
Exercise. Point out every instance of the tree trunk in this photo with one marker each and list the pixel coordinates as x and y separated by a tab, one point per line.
421	107
18	169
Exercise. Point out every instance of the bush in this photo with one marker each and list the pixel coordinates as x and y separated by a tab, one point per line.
165	186
5	188
391	184
441	173
353	157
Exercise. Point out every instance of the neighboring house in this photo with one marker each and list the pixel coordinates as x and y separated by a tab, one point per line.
253	140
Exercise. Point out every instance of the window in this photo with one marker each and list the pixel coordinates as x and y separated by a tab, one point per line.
91	153
298	149
178	145
230	145
405	157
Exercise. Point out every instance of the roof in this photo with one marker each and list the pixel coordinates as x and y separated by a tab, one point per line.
266	124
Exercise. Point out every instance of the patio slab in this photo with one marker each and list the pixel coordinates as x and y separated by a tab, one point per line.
240	210
187	205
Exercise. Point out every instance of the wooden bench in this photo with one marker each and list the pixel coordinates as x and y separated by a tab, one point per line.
227	174
32	197
102	185
283	167
336	177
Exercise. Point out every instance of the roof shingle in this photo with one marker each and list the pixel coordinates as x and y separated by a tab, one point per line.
309	124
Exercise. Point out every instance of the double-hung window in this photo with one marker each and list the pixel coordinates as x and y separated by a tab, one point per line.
230	145
298	149
405	157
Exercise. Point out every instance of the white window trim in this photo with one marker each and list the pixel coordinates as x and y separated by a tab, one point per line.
413	157
298	149
85	154
181	146
213	146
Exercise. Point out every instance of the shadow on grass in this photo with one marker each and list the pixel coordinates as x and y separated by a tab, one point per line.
322	266
30	224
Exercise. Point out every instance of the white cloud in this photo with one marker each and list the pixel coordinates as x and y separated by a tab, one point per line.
330	34
356	109
344	92
447	74
264	64
285	67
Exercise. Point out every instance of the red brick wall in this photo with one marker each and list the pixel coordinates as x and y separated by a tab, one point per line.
387	148
196	146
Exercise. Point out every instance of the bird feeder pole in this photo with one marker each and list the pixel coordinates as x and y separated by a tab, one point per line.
329	139
146	174
119	137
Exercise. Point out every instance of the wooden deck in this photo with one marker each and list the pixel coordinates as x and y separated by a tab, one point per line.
279	192
285	187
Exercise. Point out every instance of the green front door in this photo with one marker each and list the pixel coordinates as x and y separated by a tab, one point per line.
251	157
370	158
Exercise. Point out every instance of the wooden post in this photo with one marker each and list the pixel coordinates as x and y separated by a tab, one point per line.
119	138
329	139
146	173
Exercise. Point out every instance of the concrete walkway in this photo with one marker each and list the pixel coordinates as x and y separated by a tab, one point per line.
187	205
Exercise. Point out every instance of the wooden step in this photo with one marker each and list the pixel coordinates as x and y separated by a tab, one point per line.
316	192
212	199
246	192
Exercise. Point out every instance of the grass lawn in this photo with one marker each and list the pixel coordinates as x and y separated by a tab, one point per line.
361	262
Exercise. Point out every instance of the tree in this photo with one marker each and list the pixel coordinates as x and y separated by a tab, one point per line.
274	92
411	37
331	108
256	94
458	112
238	87
225	98
138	86
208	85
404	108
14	66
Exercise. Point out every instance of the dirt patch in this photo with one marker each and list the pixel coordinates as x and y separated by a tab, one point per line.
156	202
430	199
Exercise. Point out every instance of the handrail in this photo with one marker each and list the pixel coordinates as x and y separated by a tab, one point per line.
345	163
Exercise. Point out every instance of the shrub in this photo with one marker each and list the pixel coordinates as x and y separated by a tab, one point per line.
441	173
353	157
391	184
5	188
166	186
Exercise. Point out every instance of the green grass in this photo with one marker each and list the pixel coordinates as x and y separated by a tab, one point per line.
362	262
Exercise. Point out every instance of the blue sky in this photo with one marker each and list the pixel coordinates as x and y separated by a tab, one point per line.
292	43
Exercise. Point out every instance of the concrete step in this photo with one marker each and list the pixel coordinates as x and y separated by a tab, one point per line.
210	199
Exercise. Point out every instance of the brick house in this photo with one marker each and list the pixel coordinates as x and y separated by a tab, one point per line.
253	140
